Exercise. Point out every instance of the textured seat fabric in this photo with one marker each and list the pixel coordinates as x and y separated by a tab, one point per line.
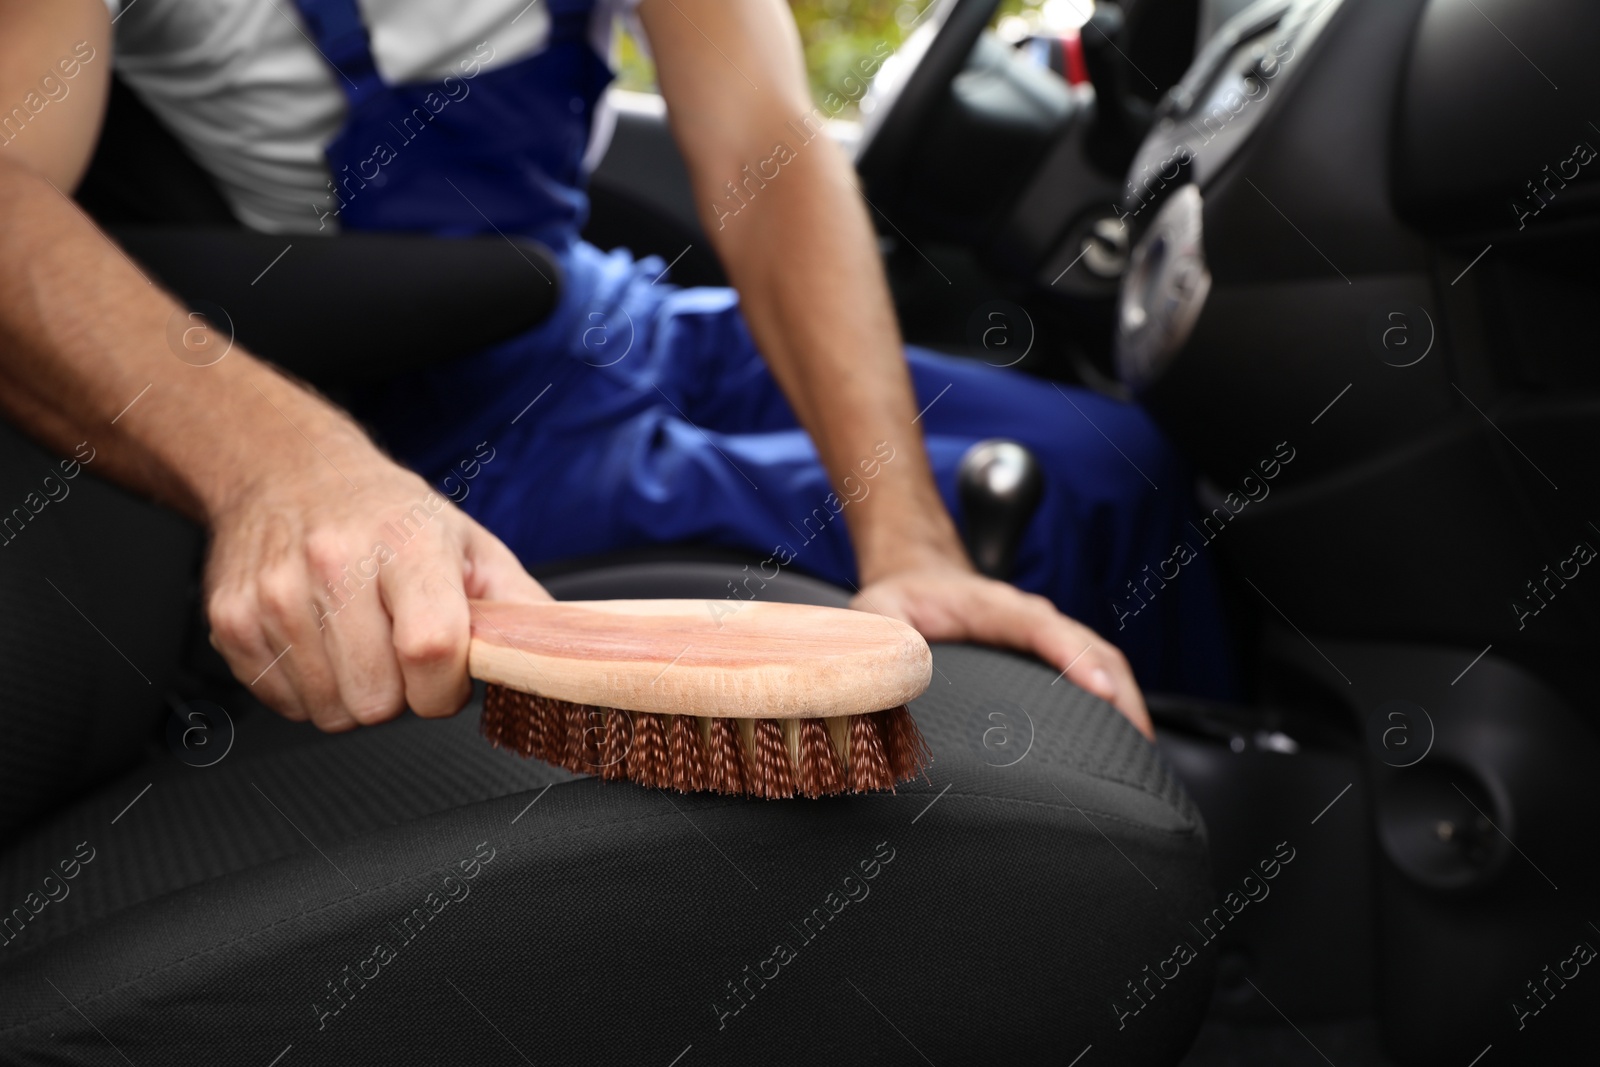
408	895
95	594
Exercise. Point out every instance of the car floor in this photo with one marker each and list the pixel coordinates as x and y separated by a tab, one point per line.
1346	1042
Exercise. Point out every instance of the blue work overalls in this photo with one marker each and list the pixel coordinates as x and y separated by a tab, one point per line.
642	414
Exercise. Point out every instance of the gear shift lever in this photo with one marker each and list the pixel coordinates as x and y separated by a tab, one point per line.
1120	117
1000	485
1106	66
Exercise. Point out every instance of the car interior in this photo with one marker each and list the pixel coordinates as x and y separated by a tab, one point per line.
1341	250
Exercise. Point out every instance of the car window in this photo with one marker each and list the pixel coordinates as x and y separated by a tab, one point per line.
839	34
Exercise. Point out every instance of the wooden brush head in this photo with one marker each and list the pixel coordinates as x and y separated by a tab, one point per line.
725	658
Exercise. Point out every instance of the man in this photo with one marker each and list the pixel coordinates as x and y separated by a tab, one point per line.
472	116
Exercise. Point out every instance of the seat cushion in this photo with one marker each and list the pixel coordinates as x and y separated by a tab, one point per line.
272	902
408	894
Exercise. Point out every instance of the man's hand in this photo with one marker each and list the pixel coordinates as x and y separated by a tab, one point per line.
951	603
345	604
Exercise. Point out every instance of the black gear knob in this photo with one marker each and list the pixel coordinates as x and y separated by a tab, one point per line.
1000	485
1105	63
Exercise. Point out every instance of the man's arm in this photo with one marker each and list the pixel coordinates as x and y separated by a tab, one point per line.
293	493
803	257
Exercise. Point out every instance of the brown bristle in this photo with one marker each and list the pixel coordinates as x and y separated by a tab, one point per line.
594	735
506	717
686	766
903	744
614	744
528	737
647	759
546	735
724	760
573	738
492	724
506	712
869	764
773	774
818	774
763	757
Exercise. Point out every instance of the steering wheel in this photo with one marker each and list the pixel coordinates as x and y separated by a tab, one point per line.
898	107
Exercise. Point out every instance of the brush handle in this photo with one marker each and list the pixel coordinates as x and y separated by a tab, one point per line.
723	658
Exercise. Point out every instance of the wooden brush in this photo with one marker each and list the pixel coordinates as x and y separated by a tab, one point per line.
734	697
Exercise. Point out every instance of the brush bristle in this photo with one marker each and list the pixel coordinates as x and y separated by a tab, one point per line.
614	744
903	744
647	760
496	724
686	758
772	773
819	773
756	757
869	766
578	752
725	758
546	737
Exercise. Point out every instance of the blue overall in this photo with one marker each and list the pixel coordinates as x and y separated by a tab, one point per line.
642	414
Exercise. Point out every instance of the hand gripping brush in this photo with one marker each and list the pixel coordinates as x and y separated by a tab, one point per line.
763	699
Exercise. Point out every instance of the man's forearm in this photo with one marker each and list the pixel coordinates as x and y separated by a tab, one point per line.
297	501
802	254
85	354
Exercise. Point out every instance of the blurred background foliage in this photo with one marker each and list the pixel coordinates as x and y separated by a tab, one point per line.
837	34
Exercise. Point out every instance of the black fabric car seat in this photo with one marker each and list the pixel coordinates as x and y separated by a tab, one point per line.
406	894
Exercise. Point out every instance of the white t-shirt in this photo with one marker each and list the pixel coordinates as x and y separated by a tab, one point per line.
245	90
